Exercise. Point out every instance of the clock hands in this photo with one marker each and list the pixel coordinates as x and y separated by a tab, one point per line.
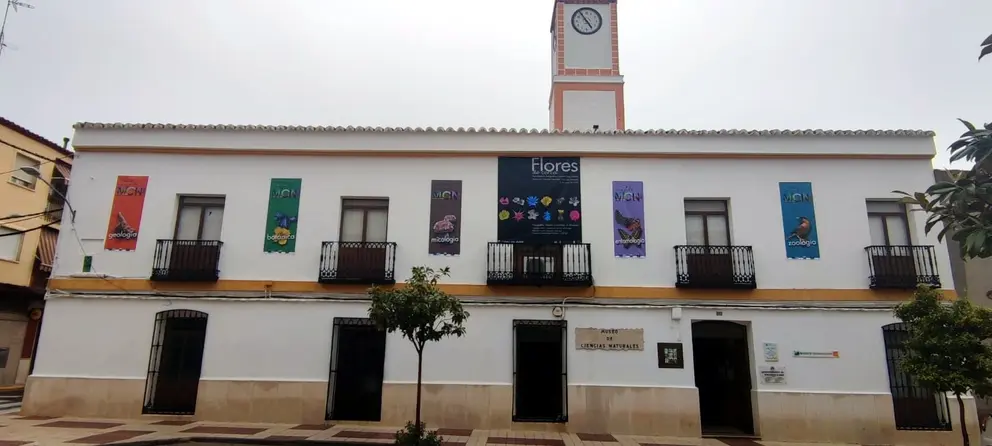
584	19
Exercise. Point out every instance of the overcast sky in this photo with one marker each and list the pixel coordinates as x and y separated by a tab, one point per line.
696	64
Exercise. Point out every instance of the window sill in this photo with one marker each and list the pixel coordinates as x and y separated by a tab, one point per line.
13	183
16	262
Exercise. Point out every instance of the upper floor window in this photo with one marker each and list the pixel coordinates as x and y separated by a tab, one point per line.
707	223
364	219
199	218
887	223
20	177
10	244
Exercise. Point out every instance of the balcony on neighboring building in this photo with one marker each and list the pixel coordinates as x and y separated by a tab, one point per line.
718	267
187	260
566	264
901	267
372	263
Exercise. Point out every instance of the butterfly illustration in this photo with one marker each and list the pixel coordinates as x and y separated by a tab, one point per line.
632	234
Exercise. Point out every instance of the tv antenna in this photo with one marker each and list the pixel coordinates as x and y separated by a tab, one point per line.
11	4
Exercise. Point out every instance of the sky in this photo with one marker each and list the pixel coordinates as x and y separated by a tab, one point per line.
692	64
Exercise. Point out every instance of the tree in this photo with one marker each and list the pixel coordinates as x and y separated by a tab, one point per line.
945	350
963	205
422	313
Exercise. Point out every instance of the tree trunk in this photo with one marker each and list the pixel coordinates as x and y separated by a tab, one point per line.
964	422
420	370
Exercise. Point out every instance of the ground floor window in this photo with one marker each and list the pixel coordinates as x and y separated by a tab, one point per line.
175	362
540	377
358	359
915	407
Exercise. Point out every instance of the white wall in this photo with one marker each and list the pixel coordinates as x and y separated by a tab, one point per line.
588	51
581	110
111	338
840	188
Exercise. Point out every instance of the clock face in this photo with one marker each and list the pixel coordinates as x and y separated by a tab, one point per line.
587	21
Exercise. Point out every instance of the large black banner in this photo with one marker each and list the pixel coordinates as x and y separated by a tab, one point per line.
539	200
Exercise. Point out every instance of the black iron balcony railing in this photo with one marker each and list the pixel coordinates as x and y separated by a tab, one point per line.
727	267
568	264
187	260
357	262
901	267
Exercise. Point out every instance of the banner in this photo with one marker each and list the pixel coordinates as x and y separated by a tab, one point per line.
281	220
628	219
539	200
799	221
446	218
125	213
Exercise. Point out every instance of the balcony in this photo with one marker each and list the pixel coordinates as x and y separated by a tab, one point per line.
372	263
901	267
715	267
186	260
568	264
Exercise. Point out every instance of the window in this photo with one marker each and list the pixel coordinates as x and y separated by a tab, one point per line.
887	223
199	218
10	245
707	223
364	219
21	178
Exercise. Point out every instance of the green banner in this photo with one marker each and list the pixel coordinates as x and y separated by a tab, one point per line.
284	208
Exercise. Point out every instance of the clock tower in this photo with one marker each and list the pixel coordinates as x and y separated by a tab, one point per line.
586	85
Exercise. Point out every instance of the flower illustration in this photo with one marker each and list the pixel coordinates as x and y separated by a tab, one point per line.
546	201
519	201
518	215
532	215
504	214
547	216
281	235
532	201
574	215
574	201
504	201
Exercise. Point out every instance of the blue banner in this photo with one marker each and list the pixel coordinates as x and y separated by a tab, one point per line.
799	221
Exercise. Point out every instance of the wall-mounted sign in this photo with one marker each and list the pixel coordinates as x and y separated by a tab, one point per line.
802	354
125	213
283	215
609	338
670	355
771	352
446	218
799	221
539	200
628	219
772	374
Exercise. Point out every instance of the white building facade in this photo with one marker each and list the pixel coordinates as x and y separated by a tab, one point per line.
680	283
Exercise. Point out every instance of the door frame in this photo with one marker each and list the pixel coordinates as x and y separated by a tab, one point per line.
751	366
333	369
155	358
562	324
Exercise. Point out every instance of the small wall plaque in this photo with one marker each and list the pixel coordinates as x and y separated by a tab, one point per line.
772	374
617	339
771	352
802	354
670	355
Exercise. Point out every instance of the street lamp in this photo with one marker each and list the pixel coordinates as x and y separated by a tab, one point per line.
33	171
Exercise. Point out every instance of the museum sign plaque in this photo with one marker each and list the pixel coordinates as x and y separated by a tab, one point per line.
609	338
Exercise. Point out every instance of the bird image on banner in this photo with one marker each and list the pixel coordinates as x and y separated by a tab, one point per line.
802	231
634	234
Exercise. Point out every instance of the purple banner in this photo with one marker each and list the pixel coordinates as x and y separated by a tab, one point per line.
628	219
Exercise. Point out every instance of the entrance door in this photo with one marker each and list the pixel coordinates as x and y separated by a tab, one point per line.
176	360
722	368
539	371
358	358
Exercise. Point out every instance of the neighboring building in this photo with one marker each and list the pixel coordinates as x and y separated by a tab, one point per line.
651	282
30	216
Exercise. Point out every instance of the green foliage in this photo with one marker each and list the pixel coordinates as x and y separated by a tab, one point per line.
419	310
414	435
945	350
963	206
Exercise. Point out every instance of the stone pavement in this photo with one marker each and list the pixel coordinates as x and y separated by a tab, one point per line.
17	430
